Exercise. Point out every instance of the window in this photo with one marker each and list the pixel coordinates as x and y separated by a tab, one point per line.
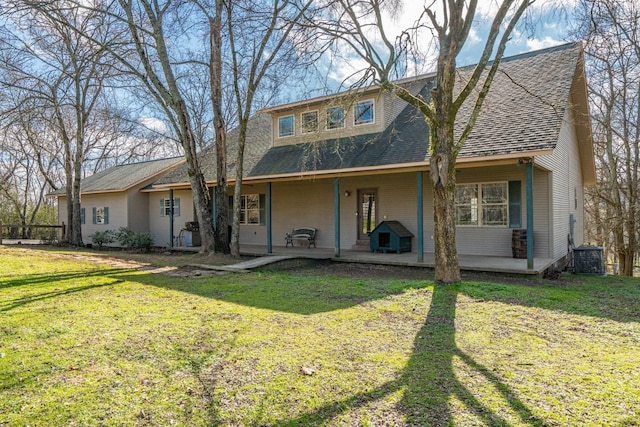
335	118
285	126
364	112
309	122
101	215
482	204
252	209
82	216
165	207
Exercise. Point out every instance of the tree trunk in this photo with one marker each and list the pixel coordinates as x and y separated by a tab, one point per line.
446	252
215	75
201	199
235	232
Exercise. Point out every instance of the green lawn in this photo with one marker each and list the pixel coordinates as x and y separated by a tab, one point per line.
85	343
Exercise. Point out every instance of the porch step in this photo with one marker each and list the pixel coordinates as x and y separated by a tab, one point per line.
361	245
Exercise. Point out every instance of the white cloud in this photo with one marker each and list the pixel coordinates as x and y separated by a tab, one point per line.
537	44
154	124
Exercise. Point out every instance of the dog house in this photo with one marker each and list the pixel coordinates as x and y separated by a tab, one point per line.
390	236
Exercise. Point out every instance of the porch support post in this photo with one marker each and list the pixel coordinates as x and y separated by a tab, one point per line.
530	215
170	218
336	215
268	218
420	216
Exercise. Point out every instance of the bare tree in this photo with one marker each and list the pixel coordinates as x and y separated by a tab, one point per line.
359	25
262	48
612	33
62	77
25	183
147	56
251	41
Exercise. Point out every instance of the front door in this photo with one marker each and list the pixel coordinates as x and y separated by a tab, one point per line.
366	212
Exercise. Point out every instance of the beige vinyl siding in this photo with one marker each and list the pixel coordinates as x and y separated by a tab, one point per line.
396	201
159	225
256	234
566	177
496	241
311	203
295	204
138	202
394	105
62	210
118	212
323	133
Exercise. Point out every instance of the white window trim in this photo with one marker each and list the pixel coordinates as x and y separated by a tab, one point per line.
481	223
166	207
344	119
246	210
302	130
373	109
293	126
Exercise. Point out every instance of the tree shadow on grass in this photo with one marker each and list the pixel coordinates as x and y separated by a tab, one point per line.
429	381
430	385
48	278
11	304
281	292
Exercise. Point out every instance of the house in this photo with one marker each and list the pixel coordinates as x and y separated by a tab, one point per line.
112	198
344	163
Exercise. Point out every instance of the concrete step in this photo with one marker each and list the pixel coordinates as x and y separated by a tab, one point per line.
361	245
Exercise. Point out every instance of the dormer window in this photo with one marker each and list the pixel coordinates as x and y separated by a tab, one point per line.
309	122
364	112
335	118
285	126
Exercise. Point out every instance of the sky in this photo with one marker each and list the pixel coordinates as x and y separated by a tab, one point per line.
549	28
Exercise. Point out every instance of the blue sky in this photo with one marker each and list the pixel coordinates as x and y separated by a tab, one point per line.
547	27
550	28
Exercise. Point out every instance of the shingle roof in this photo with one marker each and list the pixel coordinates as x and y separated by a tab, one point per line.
123	177
397	144
526	103
522	112
257	143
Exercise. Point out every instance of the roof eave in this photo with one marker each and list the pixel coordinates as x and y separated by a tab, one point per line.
462	162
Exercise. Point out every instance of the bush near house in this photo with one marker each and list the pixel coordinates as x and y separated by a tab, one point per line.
102	238
133	240
127	238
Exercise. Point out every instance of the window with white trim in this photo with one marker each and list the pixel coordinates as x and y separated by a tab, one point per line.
335	118
165	207
100	215
364	112
309	121
286	126
482	204
250	209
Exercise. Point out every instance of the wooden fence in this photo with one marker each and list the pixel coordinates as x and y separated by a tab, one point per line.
29	231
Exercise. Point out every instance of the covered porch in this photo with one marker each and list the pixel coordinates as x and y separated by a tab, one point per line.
481	263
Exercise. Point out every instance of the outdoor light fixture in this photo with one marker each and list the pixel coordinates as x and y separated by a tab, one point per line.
347	193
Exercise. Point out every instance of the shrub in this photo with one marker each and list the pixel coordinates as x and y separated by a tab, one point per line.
130	239
101	238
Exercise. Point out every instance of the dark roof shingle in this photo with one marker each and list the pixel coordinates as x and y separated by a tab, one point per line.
522	112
